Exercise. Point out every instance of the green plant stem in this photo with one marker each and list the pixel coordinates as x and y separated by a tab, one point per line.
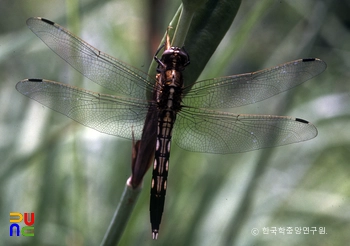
173	23
121	215
183	25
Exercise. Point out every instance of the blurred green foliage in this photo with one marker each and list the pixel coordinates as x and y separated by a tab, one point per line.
72	177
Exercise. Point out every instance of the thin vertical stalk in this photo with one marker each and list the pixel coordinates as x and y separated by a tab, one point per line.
121	215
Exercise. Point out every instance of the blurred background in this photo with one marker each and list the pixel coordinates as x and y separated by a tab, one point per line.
72	177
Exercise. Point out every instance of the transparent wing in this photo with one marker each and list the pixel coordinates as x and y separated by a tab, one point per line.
218	132
89	61
105	113
238	90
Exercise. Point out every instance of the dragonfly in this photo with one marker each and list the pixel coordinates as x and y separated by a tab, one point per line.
187	115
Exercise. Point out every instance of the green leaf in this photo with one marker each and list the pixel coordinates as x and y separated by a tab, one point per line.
209	25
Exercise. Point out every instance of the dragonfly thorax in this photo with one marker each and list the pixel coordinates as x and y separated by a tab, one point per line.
170	78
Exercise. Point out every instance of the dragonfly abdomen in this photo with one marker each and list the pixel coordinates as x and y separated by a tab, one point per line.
167	107
161	167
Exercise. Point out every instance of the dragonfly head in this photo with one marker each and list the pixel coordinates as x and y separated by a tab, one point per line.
175	57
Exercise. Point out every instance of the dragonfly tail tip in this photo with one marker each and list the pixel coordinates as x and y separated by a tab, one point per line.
155	234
